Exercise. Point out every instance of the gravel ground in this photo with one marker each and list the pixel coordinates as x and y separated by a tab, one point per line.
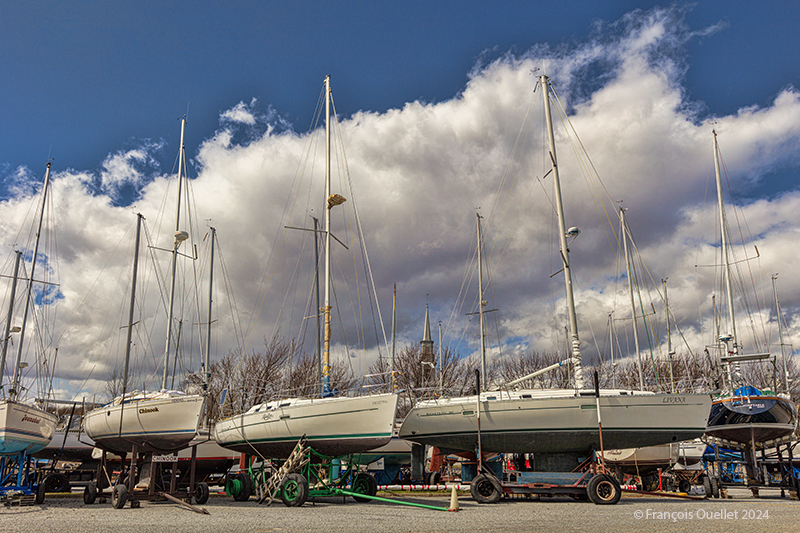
633	513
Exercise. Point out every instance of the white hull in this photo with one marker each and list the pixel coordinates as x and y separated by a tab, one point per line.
556	421
640	460
161	425
333	426
24	428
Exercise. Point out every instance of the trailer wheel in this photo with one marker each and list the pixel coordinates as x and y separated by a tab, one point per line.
707	486
364	484
684	486
56	483
119	496
603	490
40	490
485	489
294	490
201	493
90	494
239	486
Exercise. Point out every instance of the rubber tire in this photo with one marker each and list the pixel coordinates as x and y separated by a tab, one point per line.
714	487
707	487
246	487
56	483
434	478
294	490
201	493
90	494
684	486
603	490
364	484
40	491
485	489
119	496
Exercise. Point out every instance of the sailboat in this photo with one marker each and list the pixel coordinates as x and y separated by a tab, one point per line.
154	421
558	426
741	413
25	427
333	425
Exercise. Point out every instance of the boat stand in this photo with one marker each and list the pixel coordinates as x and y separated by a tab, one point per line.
755	470
145	479
306	474
18	480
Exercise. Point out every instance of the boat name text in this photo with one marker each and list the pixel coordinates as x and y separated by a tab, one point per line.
148	410
27	418
674	399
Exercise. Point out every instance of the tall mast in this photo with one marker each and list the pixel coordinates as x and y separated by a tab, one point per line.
15	383
180	236
780	332
207	372
624	232
562	234
139	218
484	375
7	335
733	348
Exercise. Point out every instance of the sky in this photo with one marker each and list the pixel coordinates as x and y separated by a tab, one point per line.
430	98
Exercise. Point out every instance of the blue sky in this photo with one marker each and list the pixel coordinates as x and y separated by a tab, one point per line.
81	80
430	98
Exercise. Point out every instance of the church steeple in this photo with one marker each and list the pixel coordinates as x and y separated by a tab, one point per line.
426	345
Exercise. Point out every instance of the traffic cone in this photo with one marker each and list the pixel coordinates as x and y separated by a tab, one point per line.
453	500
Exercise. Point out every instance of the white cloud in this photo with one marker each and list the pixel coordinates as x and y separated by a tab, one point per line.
240	113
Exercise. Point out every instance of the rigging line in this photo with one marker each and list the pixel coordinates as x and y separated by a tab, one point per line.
518	148
744	249
590	180
231	296
369	279
266	280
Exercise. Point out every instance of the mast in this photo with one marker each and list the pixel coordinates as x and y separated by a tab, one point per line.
15	382
484	375
317	350
562	234
611	344
7	335
670	351
780	332
394	334
139	219
207	373
624	232
733	348
180	236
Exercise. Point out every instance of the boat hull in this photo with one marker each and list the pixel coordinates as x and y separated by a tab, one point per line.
332	426
559	422
642	460
157	425
24	428
747	419
71	446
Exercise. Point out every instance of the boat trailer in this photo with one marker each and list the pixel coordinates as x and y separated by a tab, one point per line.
144	480
306	474
18	480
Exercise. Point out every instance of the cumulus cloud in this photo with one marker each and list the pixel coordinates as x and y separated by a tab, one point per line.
418	175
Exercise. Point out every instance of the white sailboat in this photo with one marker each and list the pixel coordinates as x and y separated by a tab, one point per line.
333	426
25	427
561	425
154	421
